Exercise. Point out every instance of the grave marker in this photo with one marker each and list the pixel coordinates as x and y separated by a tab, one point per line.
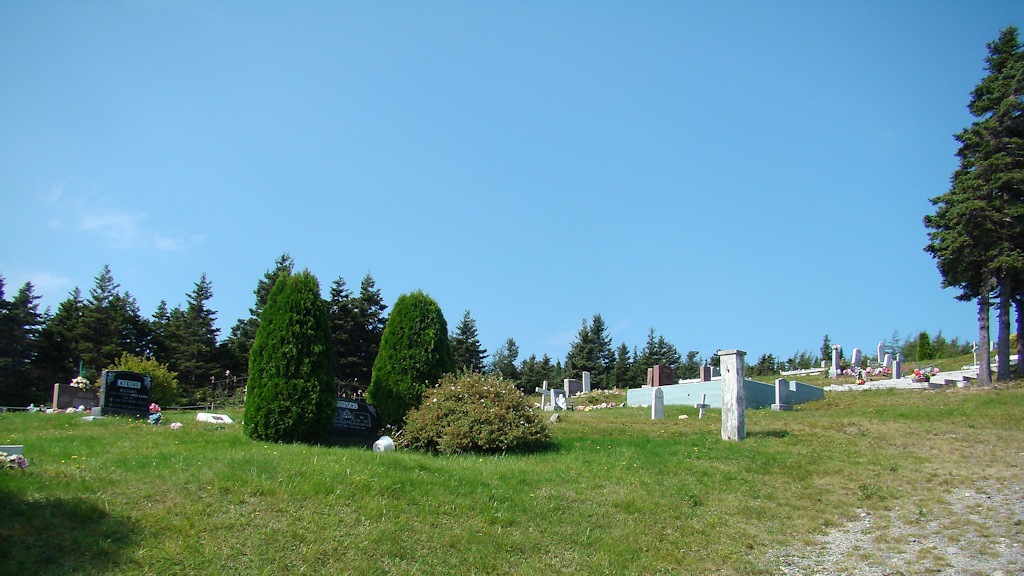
354	419
124	393
702	405
586	382
67	396
657	403
782	395
734	419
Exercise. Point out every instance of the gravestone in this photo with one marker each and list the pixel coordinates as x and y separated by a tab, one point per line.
354	420
67	396
855	361
880	352
657	403
572	386
705	373
734	404
124	393
660	376
834	370
782	395
561	401
887	361
897	371
702	406
586	382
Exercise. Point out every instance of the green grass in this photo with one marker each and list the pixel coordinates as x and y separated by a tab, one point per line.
616	494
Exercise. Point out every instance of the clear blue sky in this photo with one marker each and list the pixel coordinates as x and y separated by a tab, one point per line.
734	174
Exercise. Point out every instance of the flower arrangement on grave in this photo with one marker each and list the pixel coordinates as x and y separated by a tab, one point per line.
154	413
12	461
82	383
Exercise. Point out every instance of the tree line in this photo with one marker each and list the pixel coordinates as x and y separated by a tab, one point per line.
89	333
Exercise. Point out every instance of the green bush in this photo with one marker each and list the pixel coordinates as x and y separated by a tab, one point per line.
414	354
290	396
475	413
165	382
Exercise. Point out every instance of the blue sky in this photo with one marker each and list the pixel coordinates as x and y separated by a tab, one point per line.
746	175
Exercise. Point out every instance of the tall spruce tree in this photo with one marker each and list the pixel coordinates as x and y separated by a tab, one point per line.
469	355
371	320
60	342
504	360
414	354
291	394
20	324
977	232
243	333
345	334
191	339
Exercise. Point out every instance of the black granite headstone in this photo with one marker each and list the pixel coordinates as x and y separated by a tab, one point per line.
355	419
125	393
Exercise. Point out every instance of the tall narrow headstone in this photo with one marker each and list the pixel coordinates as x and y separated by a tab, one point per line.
657	403
897	371
856	357
734	404
834	370
586	382
782	395
880	352
887	361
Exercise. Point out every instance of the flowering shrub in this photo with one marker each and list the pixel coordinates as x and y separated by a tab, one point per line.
474	413
12	461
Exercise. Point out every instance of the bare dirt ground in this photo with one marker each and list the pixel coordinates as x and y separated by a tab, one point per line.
976	530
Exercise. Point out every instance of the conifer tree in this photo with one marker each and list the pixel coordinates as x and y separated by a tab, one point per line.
191	339
20	323
977	232
243	333
291	395
467	352
414	354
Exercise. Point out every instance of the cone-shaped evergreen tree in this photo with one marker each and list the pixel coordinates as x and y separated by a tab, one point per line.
414	354
290	395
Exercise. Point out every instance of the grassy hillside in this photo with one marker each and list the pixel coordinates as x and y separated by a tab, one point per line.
618	493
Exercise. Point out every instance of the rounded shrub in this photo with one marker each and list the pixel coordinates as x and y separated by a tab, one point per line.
414	354
474	412
290	395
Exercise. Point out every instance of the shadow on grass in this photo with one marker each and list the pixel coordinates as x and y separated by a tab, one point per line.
60	536
768	434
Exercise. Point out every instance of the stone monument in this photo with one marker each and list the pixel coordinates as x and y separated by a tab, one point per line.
734	419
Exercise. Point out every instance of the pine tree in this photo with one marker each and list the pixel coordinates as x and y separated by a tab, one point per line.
414	354
243	333
60	343
504	360
622	368
20	323
924	347
193	342
345	333
469	355
371	320
291	394
977	232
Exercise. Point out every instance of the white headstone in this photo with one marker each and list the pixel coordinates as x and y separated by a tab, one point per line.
561	402
887	362
896	370
586	382
880	351
782	395
734	403
657	403
856	357
834	370
214	418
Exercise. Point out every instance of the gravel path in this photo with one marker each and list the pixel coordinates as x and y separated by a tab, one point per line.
977	530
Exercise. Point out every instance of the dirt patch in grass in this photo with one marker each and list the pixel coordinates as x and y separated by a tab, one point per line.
973	530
